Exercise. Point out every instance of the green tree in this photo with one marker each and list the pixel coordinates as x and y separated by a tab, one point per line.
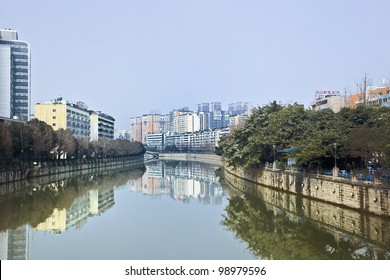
367	143
248	146
287	126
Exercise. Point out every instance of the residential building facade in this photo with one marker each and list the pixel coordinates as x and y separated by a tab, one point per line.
141	127
237	121
375	96
66	115
102	126
155	141
186	122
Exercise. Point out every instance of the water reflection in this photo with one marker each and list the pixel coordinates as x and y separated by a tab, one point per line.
280	225
180	202
181	180
54	206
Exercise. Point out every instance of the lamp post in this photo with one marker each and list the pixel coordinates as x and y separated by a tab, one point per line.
274	165
335	169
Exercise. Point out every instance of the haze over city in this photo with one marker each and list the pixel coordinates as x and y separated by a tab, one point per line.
128	58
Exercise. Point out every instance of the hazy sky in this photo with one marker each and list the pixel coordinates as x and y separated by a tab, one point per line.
127	58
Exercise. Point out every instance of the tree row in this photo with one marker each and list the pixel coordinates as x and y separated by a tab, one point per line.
21	142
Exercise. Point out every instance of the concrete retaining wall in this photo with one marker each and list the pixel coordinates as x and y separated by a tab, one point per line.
206	158
78	168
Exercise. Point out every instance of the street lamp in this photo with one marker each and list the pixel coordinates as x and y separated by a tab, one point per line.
335	155
274	147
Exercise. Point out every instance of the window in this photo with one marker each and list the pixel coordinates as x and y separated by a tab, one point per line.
54	124
54	117
54	110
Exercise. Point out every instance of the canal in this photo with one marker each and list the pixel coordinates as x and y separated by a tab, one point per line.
178	210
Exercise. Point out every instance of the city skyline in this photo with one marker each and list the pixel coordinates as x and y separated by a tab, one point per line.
128	58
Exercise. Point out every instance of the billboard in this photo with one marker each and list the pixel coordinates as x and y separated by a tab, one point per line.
324	93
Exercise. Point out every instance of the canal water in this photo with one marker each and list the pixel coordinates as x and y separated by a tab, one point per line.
177	210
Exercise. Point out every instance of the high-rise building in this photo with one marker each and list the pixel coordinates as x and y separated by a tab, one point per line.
204	107
215	106
212	116
15	76
141	127
240	108
186	122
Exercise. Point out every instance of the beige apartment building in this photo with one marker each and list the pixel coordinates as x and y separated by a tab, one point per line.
62	114
75	117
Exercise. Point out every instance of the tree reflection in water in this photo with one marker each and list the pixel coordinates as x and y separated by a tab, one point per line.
37	200
271	233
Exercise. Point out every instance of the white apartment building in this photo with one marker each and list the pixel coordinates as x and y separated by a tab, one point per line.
186	122
102	126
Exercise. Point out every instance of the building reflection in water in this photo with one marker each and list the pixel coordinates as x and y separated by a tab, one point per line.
93	202
181	180
272	224
14	244
55	207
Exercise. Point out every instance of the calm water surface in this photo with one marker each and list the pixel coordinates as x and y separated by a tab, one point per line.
176	210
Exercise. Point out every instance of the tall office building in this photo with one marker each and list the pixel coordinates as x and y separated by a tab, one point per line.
15	76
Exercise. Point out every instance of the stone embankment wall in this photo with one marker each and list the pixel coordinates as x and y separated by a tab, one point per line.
364	196
74	167
206	158
336	218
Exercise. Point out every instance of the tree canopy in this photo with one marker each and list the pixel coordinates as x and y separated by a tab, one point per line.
360	135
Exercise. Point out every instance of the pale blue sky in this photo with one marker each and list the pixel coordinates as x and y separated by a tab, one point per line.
127	58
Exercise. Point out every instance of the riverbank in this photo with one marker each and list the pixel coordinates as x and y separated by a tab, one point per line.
74	167
366	197
289	208
206	158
